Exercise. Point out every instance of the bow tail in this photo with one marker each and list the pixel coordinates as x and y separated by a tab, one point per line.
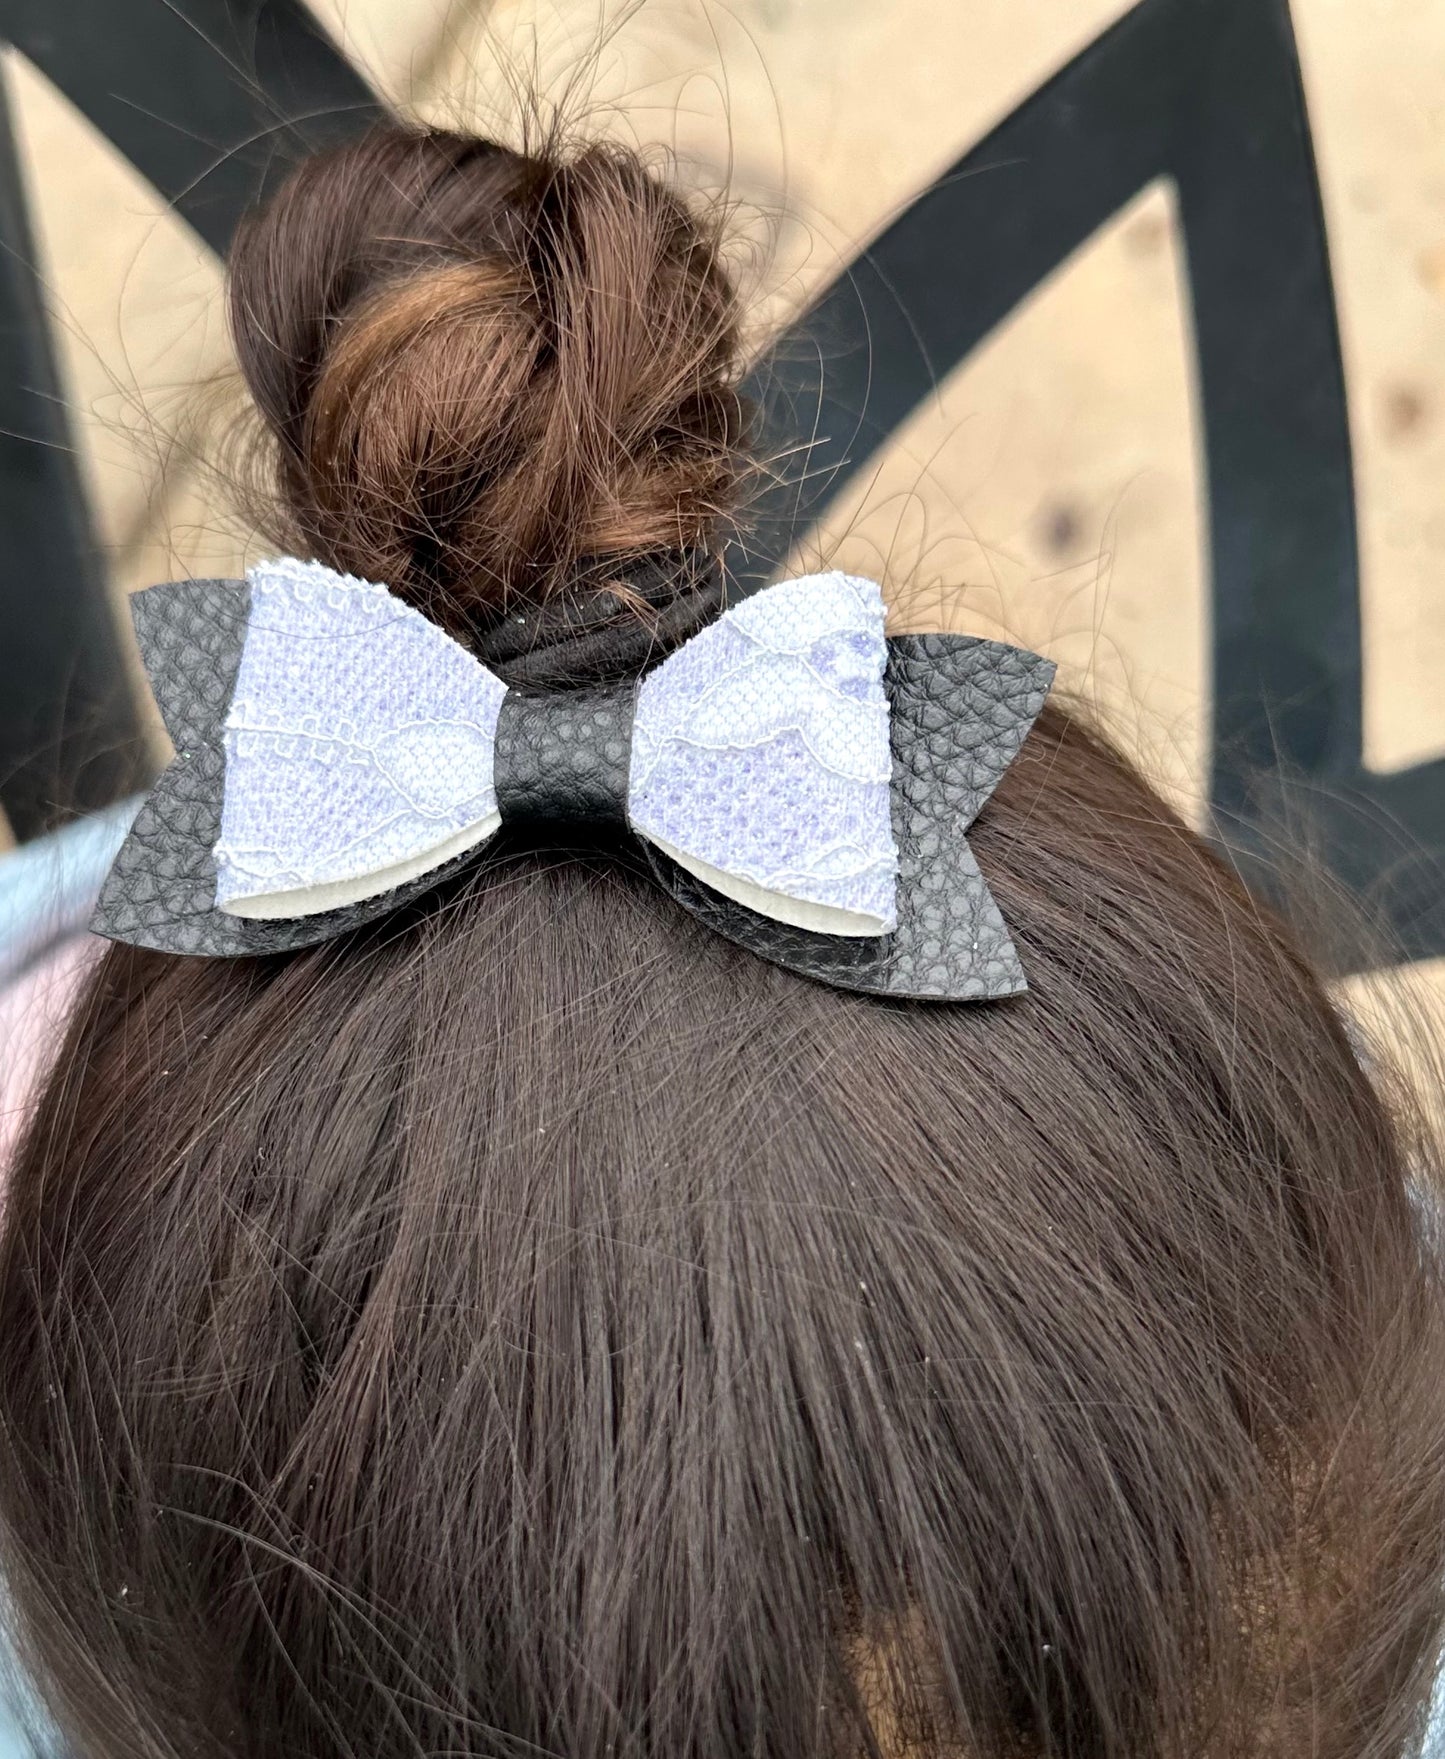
960	708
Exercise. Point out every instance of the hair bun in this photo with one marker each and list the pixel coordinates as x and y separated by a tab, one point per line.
495	380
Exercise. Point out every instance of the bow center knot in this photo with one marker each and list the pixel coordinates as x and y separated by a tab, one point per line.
564	757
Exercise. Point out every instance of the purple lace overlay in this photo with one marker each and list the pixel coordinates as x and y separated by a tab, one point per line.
760	752
358	745
360	748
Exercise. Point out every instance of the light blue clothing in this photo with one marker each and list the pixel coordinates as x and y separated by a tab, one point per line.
48	888
1434	1747
25	1732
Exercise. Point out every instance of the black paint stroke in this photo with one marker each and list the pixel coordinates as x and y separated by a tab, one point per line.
212	101
1207	93
69	737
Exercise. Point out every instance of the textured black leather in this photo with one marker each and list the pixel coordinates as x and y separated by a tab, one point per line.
562	757
161	889
616	620
960	709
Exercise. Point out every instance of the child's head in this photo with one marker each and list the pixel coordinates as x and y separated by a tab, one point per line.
532	1325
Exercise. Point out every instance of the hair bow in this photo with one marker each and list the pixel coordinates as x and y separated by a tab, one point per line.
799	782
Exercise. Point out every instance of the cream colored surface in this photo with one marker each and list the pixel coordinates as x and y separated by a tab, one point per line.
1051	489
139	324
822	119
1402	1014
1376	79
1049	494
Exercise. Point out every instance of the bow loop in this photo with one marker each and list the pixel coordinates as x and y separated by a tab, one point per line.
761	759
358	743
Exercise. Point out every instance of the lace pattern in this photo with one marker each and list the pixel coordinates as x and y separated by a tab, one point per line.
761	748
359	737
360	751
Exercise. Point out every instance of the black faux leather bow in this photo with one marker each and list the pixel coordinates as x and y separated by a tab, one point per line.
959	709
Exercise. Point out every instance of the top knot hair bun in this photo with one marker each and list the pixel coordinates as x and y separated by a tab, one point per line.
490	375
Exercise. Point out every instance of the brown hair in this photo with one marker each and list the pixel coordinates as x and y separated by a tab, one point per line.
482	367
531	1325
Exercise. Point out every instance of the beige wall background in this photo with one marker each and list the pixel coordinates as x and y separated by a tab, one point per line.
1051	489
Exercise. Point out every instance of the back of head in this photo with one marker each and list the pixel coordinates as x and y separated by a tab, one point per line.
529	1324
